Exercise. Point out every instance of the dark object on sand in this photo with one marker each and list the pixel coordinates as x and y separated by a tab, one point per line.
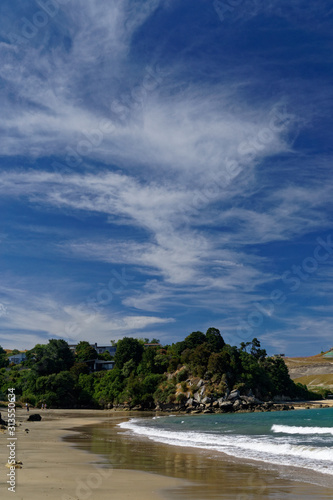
35	417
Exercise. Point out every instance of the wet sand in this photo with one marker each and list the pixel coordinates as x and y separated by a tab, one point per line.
208	477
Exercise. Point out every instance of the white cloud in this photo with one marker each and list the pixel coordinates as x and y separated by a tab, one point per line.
199	187
35	319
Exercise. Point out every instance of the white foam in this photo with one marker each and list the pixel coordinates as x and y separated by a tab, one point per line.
289	429
263	448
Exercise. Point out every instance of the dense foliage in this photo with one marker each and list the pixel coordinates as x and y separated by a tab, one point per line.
3	358
147	375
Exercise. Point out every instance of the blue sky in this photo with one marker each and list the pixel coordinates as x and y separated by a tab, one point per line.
166	167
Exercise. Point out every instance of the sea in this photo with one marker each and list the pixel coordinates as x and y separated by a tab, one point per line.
297	438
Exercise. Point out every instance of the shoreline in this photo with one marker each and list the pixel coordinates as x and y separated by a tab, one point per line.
208	473
55	470
62	460
228	407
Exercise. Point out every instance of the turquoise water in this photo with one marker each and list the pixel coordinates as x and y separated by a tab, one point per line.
302	438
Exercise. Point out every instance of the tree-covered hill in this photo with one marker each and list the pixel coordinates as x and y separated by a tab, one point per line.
200	370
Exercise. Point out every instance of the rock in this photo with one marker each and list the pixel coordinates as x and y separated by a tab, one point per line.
237	404
206	400
197	397
233	395
226	406
208	410
251	400
281	399
189	402
200	383
216	404
35	417
189	409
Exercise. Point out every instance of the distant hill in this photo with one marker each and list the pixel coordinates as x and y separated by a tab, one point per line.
313	371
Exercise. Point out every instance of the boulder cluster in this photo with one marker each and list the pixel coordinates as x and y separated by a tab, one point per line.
231	403
200	402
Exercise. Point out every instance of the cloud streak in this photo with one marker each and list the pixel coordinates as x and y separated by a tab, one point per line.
149	135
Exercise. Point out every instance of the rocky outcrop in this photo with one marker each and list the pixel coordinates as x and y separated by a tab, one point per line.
233	395
204	401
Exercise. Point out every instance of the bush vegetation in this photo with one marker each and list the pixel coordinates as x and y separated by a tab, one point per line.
52	374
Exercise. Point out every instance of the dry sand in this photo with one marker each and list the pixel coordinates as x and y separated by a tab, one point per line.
56	471
321	403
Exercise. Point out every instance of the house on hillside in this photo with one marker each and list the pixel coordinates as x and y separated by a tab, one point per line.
100	349
97	365
17	358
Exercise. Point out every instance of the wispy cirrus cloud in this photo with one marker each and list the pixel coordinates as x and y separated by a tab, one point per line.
152	136
35	319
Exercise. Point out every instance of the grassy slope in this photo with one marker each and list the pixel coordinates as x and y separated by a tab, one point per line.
325	380
313	371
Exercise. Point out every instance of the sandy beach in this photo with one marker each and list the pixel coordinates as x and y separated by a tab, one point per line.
67	456
55	470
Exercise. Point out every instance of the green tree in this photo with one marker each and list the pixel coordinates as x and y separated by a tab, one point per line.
78	369
256	351
219	363
214	340
199	360
61	385
128	368
3	358
128	348
151	383
54	357
85	352
194	339
279	376
161	362
105	356
85	389
147	364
